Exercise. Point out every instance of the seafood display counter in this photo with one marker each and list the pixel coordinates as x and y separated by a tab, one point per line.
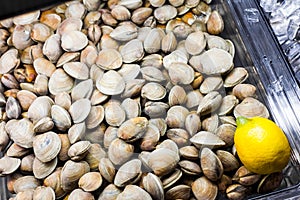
94	105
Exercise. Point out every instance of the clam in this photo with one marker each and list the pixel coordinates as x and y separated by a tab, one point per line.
65	146
21	36
153	185
139	15
211	123
171	178
168	144
110	192
46	146
226	133
96	73
13	108
165	13
52	49
129	71
67	57
129	173
211	83
79	110
27	18
179	136
51	19
214	41
77	70
63	99
207	139
177	96
95	117
89	55
176	116
40	32
21	132
108	19
17	151
119	151
73	41
76	132
25	183
243	90
160	123
107	169
133	129
60	81
41	85
156	109
150	138
236	191
181	73
195	43
95	135
227	120
270	182
42	169
98	97
9	165
215	61
78	150
24	195
215	23
236	76
162	161
157	3
9	60
124	32
44	66
204	189
91	5
114	113
210	164
9	81
75	10
245	177
227	105
80	194
251	107
192	123
153	91
4	138
109	59
107	42
90	181
68	25
133	192
154	60
71	173
44	193
179	27
109	135
132	51
190	167
179	192
169	42
224	182
228	160
193	98
152	42
209	103
131	107
154	74
61	118
111	83
94	154
82	90
189	152
53	181
133	87
120	13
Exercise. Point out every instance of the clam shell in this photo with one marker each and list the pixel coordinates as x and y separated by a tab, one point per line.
189	152
90	181
133	192
139	15
61	118
172	178
179	192
133	87
132	51
89	55
46	146
131	107
204	189
217	42
190	167
67	57
153	91
215	23
42	192
124	32
179	136
153	185
94	155
169	42
73	41
17	151
9	60
210	84
42	170
25	183
236	76
251	107
209	103
4	138
107	169
215	61
243	90
119	151
79	110
195	43
176	116
133	129
63	99
52	49
192	123
150	138
76	132
111	83
236	191
75	10
152	60
41	85
109	135
53	20
227	105
12	108
129	71
77	70
78	150
21	132
109	59
211	123
44	66
181	73
65	146
27	18
228	160
165	13
60	81
153	74
97	97
177	96
226	133
207	139
40	108
152	42
40	32
129	173
96	73
82	90
193	98
110	192
21	36
53	181
162	161
95	117
211	165
43	125
120	13
9	165
114	113
80	194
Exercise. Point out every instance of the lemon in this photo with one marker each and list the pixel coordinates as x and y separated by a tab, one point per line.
261	145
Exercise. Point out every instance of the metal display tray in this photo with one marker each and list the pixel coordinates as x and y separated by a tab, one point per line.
259	52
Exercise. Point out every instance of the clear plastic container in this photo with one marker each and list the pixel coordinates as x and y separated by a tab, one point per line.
258	50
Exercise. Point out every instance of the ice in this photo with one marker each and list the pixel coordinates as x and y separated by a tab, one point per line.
280	28
252	14
268	5
293	29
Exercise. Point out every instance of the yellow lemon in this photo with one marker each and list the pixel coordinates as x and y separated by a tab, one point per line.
261	145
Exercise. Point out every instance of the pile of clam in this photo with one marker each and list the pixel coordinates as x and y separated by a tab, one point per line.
123	99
